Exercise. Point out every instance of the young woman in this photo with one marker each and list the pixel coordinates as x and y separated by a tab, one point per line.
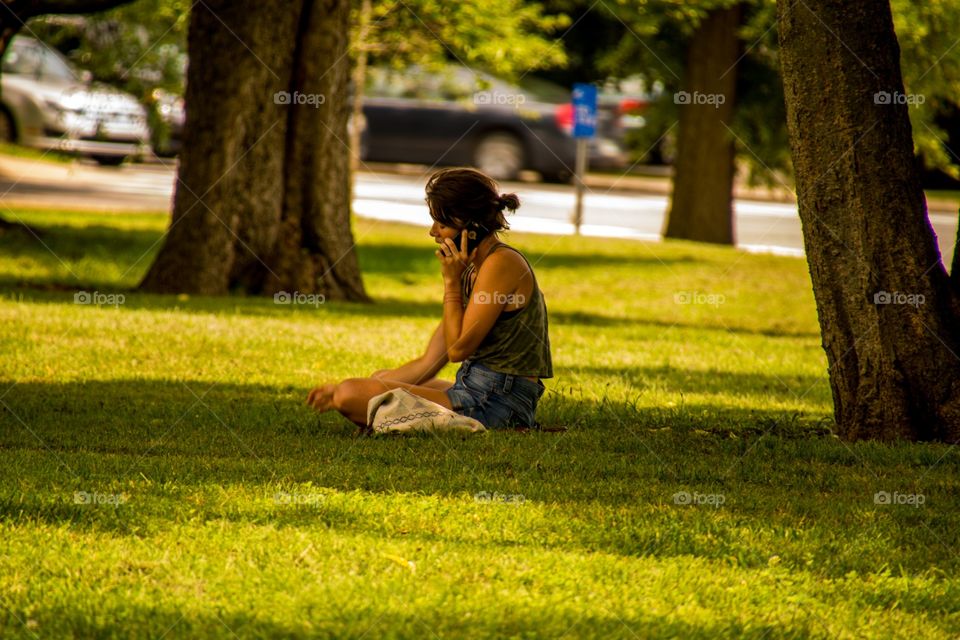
494	317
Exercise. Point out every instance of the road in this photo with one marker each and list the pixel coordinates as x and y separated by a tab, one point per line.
768	227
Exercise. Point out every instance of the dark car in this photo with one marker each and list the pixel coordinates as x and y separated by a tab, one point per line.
459	116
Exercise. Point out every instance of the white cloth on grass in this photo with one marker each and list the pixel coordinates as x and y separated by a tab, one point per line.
399	411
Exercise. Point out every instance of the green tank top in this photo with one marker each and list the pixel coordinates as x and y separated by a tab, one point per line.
519	341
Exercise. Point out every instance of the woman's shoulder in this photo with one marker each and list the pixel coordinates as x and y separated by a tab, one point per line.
505	268
505	255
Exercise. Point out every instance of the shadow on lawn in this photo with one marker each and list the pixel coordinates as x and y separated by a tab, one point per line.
391	258
40	291
780	388
137	246
129	246
334	616
193	431
193	451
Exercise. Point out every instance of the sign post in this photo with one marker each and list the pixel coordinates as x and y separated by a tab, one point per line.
584	128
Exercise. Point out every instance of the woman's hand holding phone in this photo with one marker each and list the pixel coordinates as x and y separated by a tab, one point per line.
454	258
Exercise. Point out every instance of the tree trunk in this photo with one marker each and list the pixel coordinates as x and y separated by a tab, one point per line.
702	203
889	317
262	202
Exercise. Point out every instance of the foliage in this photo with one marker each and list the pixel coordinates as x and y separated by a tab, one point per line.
137	47
930	62
505	37
653	45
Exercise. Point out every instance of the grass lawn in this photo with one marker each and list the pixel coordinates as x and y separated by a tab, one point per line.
28	153
160	475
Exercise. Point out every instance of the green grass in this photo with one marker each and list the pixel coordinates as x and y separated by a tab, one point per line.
241	513
28	153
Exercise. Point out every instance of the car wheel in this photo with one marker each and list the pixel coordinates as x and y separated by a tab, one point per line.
500	156
109	161
8	132
558	177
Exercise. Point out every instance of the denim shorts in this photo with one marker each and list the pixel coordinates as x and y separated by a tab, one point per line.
497	400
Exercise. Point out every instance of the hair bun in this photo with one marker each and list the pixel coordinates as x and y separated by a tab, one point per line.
508	201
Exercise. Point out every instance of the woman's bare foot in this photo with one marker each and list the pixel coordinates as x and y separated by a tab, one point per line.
321	398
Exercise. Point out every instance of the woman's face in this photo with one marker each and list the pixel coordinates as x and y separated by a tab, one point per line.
440	231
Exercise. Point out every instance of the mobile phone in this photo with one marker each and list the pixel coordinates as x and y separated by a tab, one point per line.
475	235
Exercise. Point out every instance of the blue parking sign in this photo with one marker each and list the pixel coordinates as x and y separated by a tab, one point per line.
584	110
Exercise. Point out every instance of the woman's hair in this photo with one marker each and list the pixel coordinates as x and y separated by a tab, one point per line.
460	196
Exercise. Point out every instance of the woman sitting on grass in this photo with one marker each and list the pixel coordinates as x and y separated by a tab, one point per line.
494	317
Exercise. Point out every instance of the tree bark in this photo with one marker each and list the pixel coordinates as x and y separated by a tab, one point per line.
701	206
262	201
316	248
889	317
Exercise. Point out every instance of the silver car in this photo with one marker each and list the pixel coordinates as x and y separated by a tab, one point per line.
46	104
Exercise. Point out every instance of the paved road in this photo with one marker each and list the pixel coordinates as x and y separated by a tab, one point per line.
760	226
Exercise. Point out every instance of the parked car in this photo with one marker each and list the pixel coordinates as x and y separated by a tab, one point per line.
459	116
47	104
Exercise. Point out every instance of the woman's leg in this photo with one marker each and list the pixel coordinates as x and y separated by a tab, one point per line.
433	383
351	396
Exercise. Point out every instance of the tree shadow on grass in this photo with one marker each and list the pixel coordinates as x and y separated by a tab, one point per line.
58	292
392	259
783	387
372	619
134	246
268	426
130	248
174	441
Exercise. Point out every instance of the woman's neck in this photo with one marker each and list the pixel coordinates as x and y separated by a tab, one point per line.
483	250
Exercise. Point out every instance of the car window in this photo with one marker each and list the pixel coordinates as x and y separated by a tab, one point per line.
22	60
455	84
27	58
55	66
416	83
544	90
391	83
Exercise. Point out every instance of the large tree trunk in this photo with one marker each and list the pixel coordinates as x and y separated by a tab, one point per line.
702	204
889	317
262	202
